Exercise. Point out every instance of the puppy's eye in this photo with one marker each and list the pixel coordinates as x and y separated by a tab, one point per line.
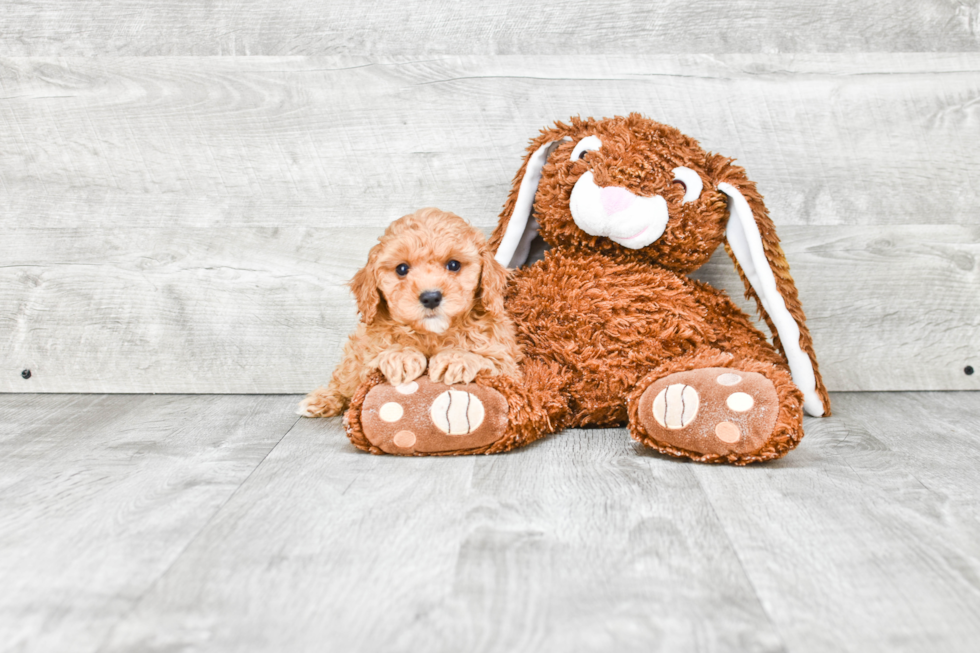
453	266
587	144
402	269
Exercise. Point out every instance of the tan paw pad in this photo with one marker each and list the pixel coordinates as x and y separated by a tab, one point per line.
740	402
409	388
697	411
391	412
729	379
455	412
676	406
433	417
728	432
404	439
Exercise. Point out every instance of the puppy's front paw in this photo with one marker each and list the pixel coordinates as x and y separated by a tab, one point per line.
454	366
321	403
401	365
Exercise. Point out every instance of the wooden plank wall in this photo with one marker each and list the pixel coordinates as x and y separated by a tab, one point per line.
184	222
377	27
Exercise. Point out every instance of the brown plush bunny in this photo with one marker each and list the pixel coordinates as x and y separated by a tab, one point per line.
613	331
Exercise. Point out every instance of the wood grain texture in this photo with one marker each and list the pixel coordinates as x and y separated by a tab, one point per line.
576	544
888	555
99	495
831	139
135	523
266	309
304	27
889	308
186	224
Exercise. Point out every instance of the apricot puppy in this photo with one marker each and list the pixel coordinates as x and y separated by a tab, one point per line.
430	297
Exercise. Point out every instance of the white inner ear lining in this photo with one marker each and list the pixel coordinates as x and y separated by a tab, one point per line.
746	243
744	239
518	223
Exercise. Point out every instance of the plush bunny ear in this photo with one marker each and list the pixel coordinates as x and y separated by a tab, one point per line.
514	241
762	265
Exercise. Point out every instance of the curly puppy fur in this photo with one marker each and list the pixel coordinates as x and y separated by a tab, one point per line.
466	332
599	323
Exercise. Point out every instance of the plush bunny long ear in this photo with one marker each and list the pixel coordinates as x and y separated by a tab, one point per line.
762	265
513	238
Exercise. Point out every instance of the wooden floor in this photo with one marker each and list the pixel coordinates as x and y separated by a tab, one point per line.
225	523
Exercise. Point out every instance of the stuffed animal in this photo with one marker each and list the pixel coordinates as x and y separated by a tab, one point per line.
604	221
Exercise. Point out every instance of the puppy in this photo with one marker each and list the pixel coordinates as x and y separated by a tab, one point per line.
431	296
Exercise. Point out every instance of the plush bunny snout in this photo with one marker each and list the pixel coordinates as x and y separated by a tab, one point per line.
616	213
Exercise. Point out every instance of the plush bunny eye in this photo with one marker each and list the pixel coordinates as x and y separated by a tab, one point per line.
691	182
587	144
402	269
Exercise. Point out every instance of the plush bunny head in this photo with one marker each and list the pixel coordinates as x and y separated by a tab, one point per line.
635	189
631	186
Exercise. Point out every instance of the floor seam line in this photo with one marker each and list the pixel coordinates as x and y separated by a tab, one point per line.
741	564
192	540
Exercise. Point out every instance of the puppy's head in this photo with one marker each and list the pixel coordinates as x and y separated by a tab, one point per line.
427	269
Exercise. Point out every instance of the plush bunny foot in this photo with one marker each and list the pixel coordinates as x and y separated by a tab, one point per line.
422	417
713	412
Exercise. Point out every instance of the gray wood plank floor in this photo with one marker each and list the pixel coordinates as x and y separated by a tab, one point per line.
221	523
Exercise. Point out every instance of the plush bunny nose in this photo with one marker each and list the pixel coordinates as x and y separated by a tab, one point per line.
431	298
615	199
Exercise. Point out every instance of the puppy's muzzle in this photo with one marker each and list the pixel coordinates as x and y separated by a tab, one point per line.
431	298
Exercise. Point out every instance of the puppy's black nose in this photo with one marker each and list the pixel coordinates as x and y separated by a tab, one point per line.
431	298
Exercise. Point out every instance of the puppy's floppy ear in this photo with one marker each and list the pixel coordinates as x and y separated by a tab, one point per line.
752	243
364	285
512	238
493	282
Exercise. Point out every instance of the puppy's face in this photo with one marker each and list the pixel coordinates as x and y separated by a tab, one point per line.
428	270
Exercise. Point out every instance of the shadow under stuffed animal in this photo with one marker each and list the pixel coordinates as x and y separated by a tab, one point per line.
613	330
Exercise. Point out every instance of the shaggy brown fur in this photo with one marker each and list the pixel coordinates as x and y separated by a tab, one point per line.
468	332
640	154
600	323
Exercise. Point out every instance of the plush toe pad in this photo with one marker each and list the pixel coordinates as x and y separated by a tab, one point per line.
426	417
711	411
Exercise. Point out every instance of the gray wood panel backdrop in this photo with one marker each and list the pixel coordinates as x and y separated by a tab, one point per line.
177	217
